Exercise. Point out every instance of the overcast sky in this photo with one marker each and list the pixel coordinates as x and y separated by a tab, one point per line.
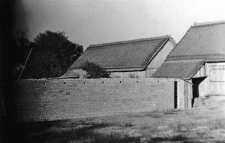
99	21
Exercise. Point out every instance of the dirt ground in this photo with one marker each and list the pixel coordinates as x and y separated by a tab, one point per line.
205	124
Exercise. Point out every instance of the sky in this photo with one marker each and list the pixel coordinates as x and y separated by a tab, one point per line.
87	22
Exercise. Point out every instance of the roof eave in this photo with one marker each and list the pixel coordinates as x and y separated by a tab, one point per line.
125	69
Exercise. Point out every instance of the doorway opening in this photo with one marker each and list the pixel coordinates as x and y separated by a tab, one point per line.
175	95
196	82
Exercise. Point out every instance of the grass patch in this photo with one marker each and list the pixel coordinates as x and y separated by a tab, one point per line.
156	127
68	132
54	131
200	134
171	111
66	135
217	124
178	138
114	138
126	125
155	113
181	127
30	127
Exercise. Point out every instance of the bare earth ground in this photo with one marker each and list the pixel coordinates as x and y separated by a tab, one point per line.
205	124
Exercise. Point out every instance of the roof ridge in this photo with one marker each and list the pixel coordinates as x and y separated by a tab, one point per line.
129	41
203	24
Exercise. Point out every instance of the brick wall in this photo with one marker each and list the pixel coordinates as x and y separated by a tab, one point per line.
72	98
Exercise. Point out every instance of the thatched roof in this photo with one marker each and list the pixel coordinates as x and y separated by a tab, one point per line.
204	42
123	55
185	69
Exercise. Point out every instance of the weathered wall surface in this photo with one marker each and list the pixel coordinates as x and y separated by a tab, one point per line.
73	98
214	81
216	78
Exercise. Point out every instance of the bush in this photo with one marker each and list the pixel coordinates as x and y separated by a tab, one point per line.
94	71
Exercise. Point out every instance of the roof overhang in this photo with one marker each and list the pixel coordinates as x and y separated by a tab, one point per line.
184	69
125	69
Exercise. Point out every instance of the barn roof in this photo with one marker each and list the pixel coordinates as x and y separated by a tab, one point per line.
123	55
204	42
184	69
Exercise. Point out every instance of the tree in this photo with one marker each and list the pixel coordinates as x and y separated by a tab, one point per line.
95	71
52	54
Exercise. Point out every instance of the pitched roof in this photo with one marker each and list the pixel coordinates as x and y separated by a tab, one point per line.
123	55
184	69
202	41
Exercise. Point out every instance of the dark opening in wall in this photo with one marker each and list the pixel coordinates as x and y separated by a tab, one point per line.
175	95
196	82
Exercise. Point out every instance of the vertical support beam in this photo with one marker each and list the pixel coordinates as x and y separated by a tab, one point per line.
181	95
189	86
188	94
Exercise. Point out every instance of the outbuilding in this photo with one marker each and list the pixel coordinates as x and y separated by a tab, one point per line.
137	58
199	58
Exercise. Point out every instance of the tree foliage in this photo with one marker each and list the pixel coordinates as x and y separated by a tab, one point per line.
52	54
95	71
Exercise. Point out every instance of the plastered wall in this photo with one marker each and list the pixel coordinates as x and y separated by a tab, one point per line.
55	99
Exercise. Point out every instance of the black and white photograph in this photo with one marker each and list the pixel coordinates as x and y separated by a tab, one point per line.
112	71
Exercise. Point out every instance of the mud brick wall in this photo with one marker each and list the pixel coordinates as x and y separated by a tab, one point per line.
55	99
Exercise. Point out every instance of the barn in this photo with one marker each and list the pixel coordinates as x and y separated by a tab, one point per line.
199	58
137	58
